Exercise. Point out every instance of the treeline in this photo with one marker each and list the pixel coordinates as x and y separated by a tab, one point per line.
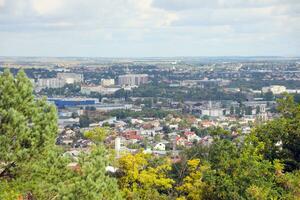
180	93
257	83
145	113
262	165
89	117
67	90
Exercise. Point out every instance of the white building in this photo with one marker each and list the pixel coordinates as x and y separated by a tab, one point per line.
275	89
49	83
59	81
212	112
133	79
107	82
160	147
70	78
98	89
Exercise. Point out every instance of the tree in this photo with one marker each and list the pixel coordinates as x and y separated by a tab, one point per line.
97	134
31	165
28	126
231	110
248	110
257	110
157	138
238	111
90	180
193	185
74	115
269	96
240	173
84	121
143	177
281	136
166	129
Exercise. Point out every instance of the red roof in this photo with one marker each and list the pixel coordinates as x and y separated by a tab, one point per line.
131	135
187	133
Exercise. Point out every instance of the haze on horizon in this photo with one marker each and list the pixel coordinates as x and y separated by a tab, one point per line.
149	28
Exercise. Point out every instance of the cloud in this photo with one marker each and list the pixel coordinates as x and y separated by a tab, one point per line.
216	4
149	27
83	14
1	3
44	7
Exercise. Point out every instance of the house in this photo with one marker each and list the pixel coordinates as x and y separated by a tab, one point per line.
160	147
136	121
173	126
207	124
131	135
149	132
66	137
191	136
180	141
206	141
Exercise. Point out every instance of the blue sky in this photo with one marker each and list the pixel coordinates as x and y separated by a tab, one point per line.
147	28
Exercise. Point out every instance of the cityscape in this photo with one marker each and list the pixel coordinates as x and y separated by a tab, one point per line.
138	100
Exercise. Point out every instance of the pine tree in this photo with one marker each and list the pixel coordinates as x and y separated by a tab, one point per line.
27	126
90	180
30	163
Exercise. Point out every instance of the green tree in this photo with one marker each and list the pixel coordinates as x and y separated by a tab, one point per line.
240	173
231	110
257	109
30	163
97	134
90	181
27	126
281	136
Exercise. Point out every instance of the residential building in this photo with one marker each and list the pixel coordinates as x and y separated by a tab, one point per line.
133	79
275	89
70	78
49	83
98	89
107	82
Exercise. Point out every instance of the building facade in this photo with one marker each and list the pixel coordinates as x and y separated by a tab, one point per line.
133	79
107	82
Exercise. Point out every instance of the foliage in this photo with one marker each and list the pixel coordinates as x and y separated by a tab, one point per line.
123	114
28	126
281	136
235	172
90	180
66	90
97	134
143	177
30	165
193	185
262	165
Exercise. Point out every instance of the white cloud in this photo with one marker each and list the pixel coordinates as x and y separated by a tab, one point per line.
2	3
84	14
44	7
142	27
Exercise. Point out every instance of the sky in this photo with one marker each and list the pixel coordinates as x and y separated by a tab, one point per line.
149	28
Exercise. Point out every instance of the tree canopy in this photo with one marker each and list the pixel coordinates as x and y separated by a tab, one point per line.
31	166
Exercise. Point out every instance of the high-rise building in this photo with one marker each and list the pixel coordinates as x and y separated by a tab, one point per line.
133	79
59	81
49	83
70	78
